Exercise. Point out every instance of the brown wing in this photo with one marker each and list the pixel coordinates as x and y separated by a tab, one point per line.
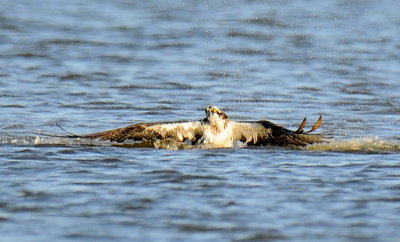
179	131
268	133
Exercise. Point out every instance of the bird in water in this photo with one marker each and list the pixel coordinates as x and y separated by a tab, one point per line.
216	130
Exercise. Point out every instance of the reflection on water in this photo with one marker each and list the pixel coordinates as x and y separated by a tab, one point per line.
97	65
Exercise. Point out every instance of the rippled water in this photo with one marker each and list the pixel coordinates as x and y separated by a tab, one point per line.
97	65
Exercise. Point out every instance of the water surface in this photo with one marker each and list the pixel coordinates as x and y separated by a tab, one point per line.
97	65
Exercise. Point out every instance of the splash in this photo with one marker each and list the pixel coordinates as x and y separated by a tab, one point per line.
353	145
358	145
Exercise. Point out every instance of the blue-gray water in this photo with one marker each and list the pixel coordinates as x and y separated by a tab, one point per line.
96	65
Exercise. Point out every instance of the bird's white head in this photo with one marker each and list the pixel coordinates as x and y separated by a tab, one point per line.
214	112
217	119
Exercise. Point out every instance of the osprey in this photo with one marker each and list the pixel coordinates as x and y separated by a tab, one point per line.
215	130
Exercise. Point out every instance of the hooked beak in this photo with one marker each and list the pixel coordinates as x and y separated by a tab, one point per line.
212	109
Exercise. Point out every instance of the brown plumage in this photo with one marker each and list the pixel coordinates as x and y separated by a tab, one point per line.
267	133
151	131
216	130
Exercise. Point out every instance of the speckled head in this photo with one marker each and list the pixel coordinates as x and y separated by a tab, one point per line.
213	110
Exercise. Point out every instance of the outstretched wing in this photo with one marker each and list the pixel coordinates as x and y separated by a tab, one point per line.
179	131
267	133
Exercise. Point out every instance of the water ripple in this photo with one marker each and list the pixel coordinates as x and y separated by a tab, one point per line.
94	65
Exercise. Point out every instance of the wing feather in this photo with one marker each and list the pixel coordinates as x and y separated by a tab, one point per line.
267	133
178	131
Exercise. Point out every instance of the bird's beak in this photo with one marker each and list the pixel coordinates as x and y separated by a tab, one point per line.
210	110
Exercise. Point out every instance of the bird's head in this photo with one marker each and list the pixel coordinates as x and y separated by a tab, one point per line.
213	112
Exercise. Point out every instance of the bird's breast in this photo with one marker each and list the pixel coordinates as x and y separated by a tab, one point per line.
222	138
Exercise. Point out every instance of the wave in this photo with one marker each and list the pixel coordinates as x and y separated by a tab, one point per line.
353	145
358	145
